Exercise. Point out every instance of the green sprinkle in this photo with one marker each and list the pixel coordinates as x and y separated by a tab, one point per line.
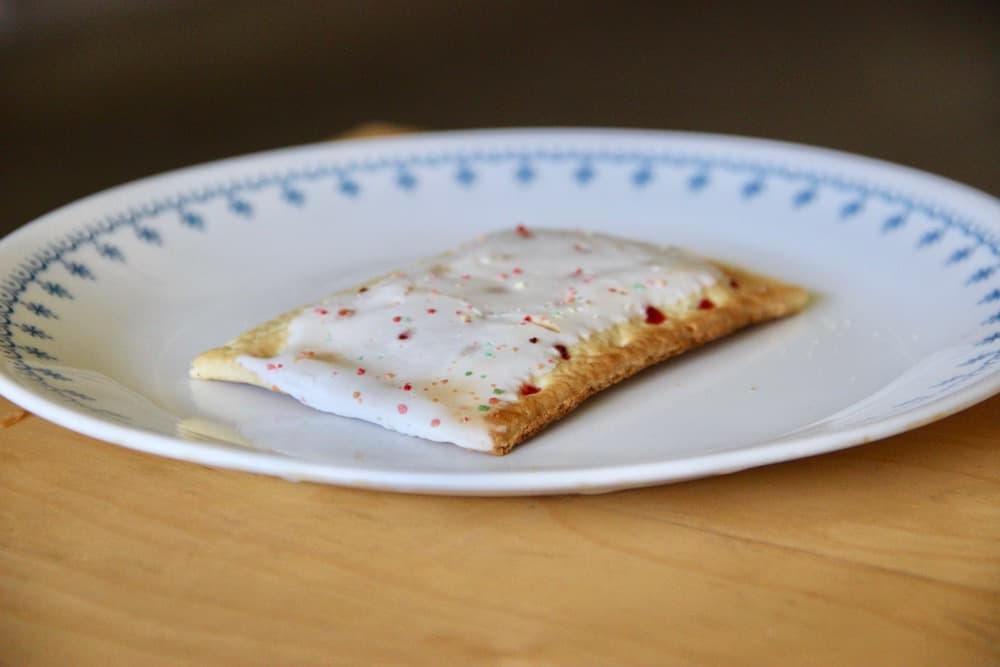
468	373
483	377
489	354
484	408
639	286
498	391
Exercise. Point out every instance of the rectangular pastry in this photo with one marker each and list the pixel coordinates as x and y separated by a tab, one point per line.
486	345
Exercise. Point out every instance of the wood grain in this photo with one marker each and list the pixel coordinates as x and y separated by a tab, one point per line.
888	553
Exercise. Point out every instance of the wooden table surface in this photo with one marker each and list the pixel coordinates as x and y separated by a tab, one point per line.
887	553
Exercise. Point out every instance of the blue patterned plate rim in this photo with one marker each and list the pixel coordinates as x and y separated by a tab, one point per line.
946	210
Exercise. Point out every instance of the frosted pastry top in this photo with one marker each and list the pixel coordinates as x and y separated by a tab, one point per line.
431	349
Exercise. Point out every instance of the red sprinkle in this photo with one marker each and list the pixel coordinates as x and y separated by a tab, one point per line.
533	339
345	312
404	335
655	315
432	310
493	400
527	318
705	304
361	371
435	423
516	271
320	311
274	367
397	319
402	408
523	232
529	389
563	352
407	387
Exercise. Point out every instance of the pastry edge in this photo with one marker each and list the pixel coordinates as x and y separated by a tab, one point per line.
610	356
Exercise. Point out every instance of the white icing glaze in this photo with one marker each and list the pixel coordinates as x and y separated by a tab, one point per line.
431	349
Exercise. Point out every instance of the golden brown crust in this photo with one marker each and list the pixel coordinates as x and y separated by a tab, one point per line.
602	360
263	341
266	340
610	356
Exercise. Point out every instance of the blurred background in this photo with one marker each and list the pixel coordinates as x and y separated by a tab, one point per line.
97	92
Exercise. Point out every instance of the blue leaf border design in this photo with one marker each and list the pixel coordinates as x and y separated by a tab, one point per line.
20	318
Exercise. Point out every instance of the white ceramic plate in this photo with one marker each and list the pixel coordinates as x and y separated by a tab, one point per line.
104	302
